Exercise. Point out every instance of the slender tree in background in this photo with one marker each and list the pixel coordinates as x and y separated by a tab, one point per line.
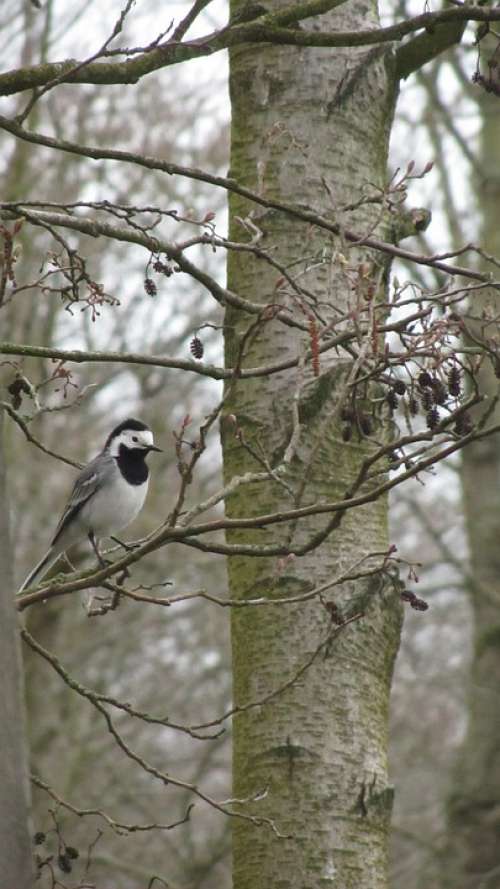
15	840
311	445
472	853
449	836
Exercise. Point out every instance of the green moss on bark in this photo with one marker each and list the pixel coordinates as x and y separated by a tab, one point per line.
321	739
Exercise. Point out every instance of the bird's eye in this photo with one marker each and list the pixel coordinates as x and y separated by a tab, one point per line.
134	438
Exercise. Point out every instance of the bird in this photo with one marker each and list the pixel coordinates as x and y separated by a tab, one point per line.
107	495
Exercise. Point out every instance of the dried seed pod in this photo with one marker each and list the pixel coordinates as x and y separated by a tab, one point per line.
64	864
365	424
408	596
413	406
392	399
163	268
196	347
454	381
439	394
432	418
463	424
419	604
150	287
426	400
15	389
424	379
314	340
346	414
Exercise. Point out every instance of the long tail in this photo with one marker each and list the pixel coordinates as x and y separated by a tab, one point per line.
43	566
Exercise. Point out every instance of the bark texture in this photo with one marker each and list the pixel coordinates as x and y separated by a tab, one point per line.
473	847
16	860
303	117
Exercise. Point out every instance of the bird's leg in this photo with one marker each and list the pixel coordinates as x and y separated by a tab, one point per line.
69	563
128	547
102	562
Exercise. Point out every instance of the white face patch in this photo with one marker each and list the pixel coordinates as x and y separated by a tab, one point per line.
132	438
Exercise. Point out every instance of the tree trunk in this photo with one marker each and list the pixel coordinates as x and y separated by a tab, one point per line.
303	118
473	848
16	862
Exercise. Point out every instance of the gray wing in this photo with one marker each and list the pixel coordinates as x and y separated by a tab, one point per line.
86	485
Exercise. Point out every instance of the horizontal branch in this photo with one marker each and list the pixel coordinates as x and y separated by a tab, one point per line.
351	573
260	31
266	28
100	698
79	357
189	536
95	228
165	778
416	53
118	827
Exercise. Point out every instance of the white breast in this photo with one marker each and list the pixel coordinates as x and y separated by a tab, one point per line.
114	507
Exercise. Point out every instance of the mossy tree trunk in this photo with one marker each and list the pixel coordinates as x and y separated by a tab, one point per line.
473	841
311	127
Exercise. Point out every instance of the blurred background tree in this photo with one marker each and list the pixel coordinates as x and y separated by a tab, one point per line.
445	755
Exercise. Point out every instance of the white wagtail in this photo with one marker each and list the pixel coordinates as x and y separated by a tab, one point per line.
107	495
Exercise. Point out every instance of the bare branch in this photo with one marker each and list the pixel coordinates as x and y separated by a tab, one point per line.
95	228
14	415
264	29
333	632
98	698
119	827
163	777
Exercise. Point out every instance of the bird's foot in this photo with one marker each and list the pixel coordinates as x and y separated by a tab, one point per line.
128	547
122	576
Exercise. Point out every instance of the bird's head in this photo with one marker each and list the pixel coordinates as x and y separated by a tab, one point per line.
133	435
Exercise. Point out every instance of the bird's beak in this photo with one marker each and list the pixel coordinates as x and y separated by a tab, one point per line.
154	448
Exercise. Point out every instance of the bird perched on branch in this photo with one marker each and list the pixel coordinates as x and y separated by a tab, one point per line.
107	495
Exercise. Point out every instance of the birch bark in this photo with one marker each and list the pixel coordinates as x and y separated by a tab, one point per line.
302	118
